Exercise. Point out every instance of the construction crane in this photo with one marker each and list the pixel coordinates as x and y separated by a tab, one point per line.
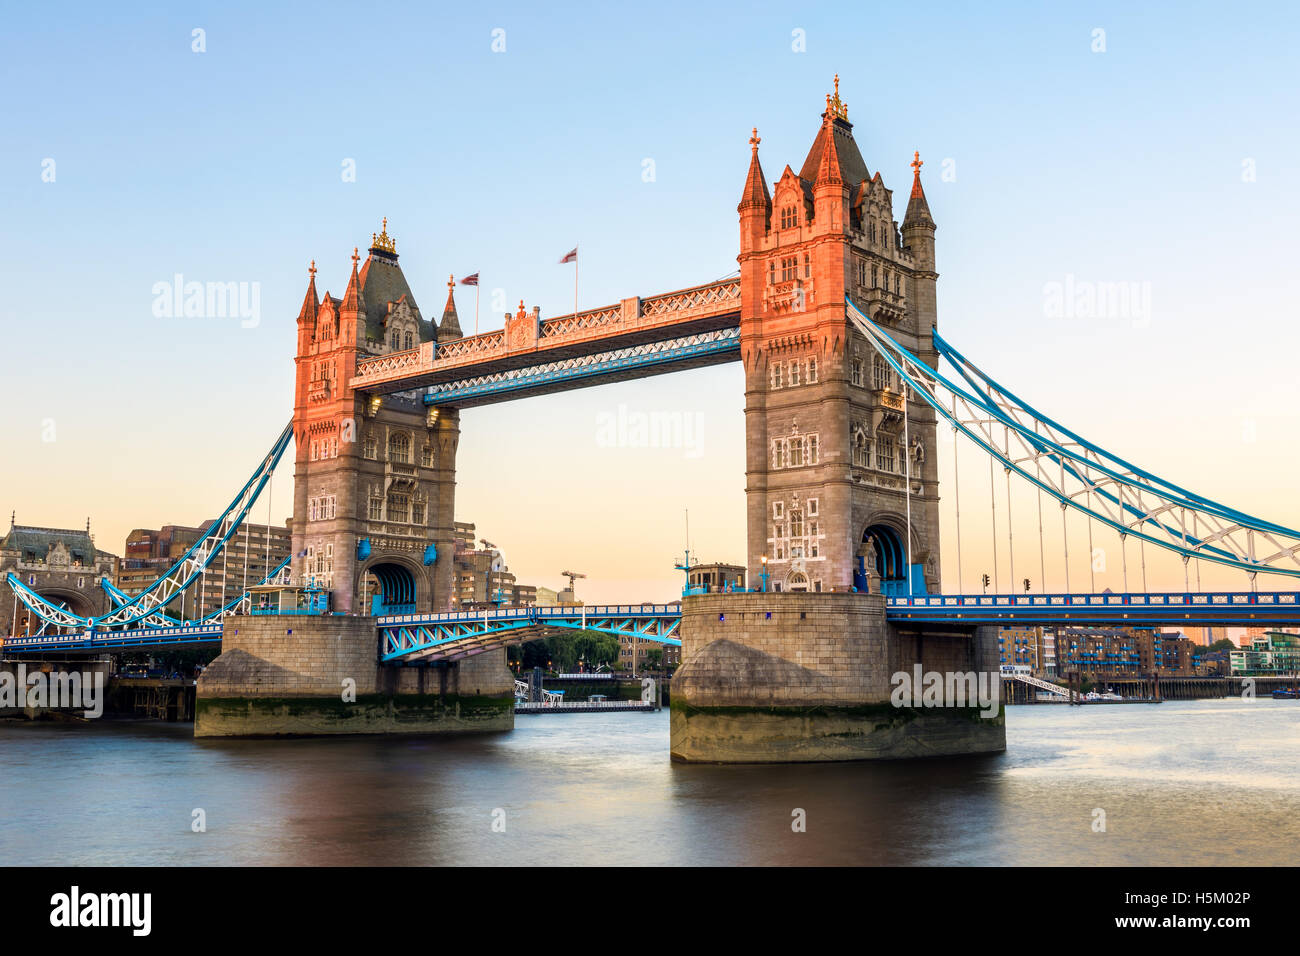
487	544
569	592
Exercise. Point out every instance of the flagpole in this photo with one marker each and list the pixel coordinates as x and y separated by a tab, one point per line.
476	308
575	283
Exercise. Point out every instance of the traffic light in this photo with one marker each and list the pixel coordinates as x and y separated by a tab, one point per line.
986	582
1026	584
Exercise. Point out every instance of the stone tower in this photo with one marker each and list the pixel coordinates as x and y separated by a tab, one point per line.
827	501
374	478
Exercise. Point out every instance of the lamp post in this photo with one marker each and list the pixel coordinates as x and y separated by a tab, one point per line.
764	574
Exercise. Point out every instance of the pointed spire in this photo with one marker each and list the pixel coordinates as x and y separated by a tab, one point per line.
828	170
352	299
756	193
449	328
918	210
309	303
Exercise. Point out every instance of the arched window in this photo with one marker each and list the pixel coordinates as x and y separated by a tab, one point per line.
408	334
861	449
396	340
399	448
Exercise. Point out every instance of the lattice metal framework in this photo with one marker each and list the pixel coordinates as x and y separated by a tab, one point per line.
1081	475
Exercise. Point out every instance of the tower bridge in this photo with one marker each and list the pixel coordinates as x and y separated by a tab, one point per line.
834	320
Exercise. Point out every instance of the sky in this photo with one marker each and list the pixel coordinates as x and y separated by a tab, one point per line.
1084	143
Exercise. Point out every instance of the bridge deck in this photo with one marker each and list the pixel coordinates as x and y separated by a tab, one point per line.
457	634
632	322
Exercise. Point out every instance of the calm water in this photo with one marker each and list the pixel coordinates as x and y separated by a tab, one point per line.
1205	782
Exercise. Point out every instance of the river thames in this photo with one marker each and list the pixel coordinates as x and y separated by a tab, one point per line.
1192	782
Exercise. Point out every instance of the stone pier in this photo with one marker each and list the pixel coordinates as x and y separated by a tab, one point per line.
798	677
287	675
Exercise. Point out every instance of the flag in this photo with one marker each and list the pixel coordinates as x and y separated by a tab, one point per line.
470	280
302	553
570	256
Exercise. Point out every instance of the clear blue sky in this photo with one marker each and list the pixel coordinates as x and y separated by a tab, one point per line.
1123	165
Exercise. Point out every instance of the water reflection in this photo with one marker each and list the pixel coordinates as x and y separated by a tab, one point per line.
1180	783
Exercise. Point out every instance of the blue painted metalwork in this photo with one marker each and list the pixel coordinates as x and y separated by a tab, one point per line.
462	633
720	344
1148	524
363	549
160	619
430	555
182	574
1201	609
133	639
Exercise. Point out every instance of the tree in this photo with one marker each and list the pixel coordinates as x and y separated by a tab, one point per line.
1223	644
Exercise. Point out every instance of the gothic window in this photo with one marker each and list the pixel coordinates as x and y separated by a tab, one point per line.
778	509
399	507
796	452
407	340
778	453
885	460
794	373
417	512
811	455
771	273
426	456
875	276
779	531
399	447
789	218
368	448
861	449
789	269
807	266
855	375
880	375
376	512
796	524
778	375
396	340
313	451
812	510
862	271
871	229
895	283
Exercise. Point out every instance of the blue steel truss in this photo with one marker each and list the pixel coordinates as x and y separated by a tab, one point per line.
118	597
180	576
1081	475
719	345
136	638
1195	609
432	637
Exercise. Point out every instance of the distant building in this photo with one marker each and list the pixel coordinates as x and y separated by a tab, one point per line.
1119	652
1274	653
480	574
716	577
247	557
60	564
1023	645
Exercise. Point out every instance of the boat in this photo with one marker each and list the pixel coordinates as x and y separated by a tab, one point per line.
1289	693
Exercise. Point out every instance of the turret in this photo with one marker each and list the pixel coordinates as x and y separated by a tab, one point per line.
755	203
449	327
918	224
307	314
352	311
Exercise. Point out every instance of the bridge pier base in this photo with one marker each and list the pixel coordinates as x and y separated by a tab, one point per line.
311	675
803	677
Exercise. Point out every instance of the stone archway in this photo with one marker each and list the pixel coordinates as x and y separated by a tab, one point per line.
883	555
392	584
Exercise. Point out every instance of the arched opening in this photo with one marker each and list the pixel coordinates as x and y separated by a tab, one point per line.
798	581
891	560
389	589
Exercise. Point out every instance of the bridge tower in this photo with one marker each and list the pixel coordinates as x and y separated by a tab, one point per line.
827	501
374	477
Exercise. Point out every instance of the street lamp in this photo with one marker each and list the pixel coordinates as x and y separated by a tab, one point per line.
764	575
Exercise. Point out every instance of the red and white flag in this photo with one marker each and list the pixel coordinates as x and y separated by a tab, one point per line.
570	256
470	280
